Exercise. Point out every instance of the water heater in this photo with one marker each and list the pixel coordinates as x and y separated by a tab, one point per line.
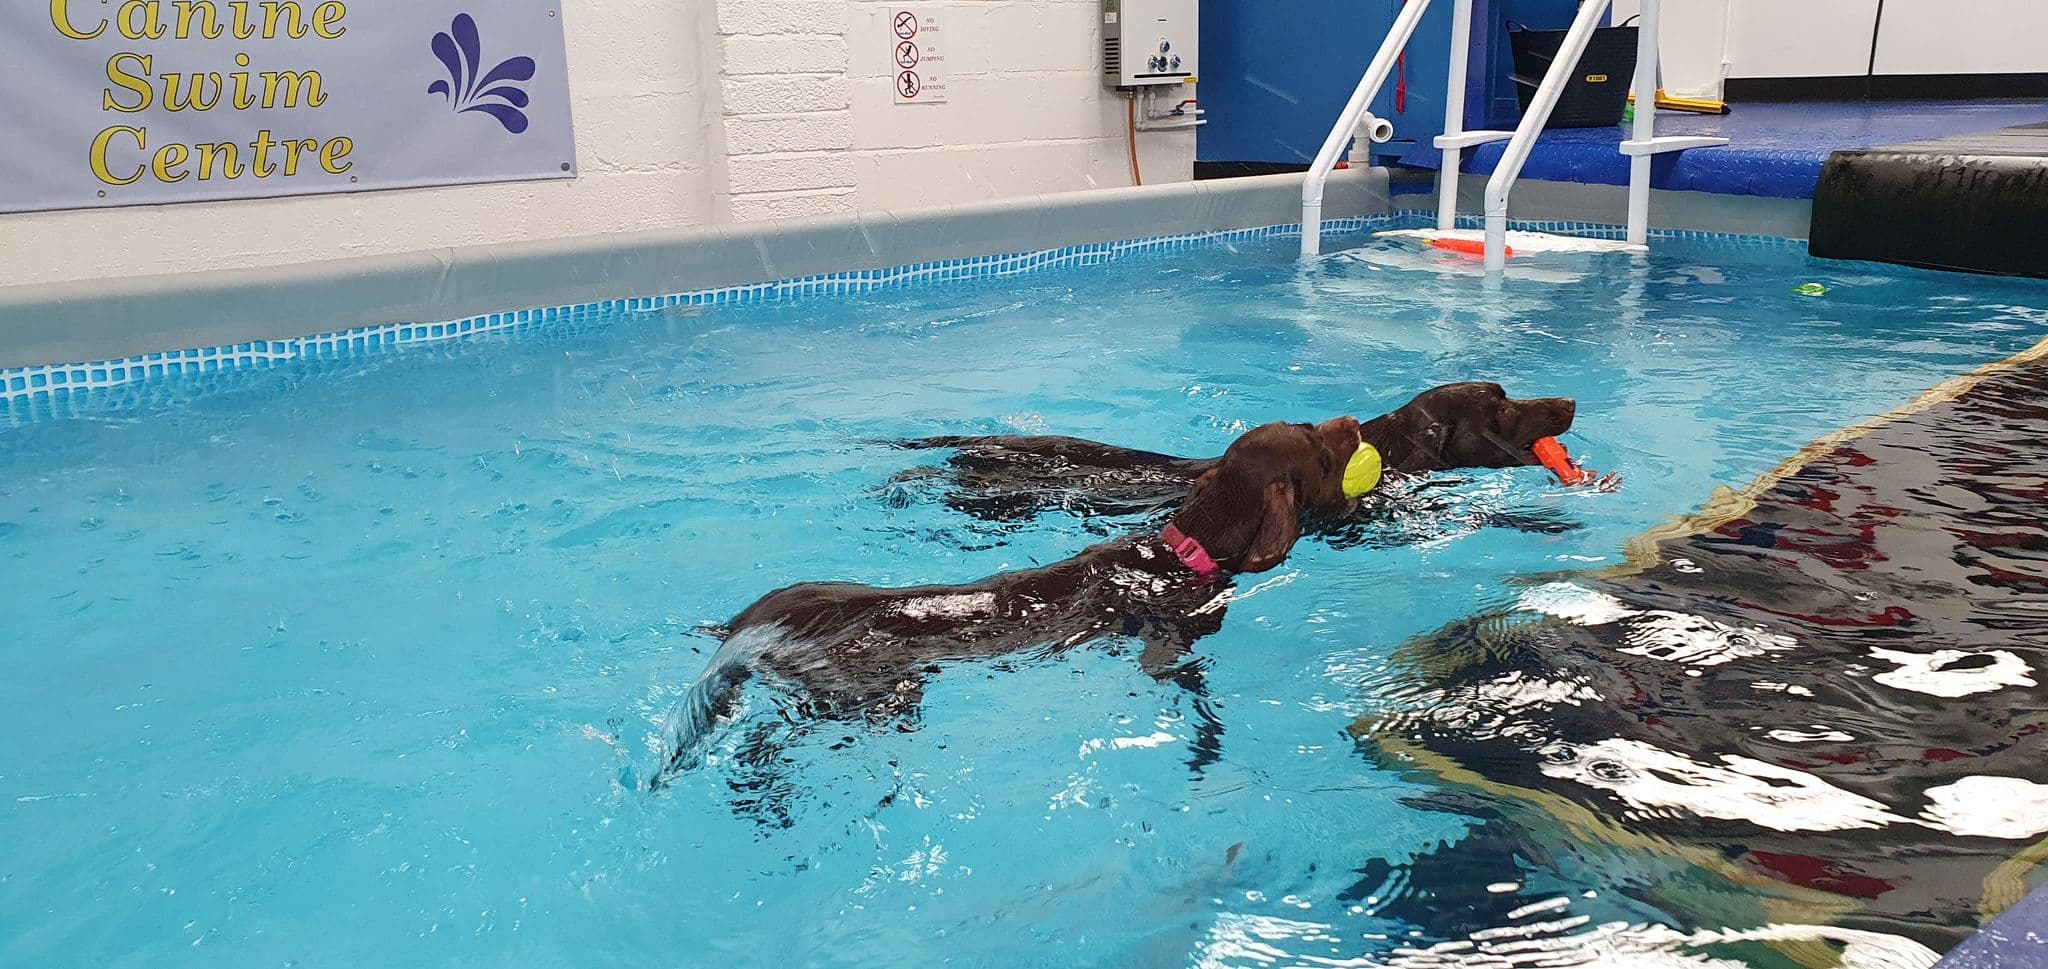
1149	42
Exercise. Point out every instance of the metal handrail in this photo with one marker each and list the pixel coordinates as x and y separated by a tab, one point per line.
1533	121
1640	147
1347	123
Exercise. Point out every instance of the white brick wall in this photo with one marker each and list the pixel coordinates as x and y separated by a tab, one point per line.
785	54
774	93
695	112
1026	112
791	205
786	105
782	16
793	171
809	131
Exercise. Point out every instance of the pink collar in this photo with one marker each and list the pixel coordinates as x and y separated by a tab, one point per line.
1190	552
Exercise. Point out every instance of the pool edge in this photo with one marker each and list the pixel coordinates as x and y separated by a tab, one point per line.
98	320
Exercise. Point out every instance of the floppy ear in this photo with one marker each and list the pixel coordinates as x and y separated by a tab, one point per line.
1279	527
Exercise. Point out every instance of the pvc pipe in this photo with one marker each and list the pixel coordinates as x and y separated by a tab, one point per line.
1454	117
1311	227
1533	120
1645	124
1372	130
1354	109
1376	129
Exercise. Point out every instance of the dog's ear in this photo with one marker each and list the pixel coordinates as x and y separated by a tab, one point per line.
1200	489
1279	528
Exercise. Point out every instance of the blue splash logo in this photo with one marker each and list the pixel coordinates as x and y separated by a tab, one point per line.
470	88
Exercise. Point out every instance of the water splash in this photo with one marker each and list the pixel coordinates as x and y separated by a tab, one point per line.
713	698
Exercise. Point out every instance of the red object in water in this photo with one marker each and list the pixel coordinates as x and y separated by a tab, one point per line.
1470	247
1835	877
1560	463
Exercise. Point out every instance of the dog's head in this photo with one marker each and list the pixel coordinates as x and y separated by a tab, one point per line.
1468	425
1246	510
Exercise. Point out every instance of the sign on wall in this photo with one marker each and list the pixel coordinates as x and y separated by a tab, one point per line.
914	51
131	102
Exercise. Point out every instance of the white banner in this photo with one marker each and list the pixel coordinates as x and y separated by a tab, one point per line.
106	103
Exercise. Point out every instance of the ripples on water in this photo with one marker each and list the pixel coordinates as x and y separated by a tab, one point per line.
395	644
1783	687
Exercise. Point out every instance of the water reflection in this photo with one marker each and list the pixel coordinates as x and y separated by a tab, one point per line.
1546	935
1834	694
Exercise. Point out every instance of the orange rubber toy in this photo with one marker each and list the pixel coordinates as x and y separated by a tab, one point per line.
1465	247
1560	463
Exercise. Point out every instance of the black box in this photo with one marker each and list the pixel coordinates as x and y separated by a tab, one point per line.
1597	92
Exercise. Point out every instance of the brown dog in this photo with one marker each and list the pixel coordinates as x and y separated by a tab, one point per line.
859	652
1015	477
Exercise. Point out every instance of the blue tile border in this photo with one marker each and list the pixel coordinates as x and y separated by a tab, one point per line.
22	389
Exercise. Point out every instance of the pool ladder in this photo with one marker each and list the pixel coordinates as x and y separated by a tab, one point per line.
1640	147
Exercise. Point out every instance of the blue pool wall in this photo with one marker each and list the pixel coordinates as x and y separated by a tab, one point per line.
1276	73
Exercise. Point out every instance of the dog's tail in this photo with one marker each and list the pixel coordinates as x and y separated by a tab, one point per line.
929	443
709	702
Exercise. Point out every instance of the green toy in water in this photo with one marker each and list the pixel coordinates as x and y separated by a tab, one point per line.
1811	289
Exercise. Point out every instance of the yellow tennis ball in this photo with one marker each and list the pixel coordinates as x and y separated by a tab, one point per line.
1363	473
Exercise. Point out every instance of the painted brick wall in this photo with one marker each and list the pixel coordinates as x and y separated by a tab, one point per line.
692	112
787	110
1026	112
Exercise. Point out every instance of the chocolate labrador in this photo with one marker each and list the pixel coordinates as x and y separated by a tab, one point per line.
1008	478
861	653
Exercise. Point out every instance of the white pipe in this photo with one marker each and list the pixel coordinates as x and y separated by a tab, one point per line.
1533	120
1376	129
1645	124
1340	135
1372	130
1312	227
1454	117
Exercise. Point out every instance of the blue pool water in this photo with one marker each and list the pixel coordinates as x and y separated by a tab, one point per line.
365	662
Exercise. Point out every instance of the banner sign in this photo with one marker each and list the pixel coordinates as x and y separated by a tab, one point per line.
142	102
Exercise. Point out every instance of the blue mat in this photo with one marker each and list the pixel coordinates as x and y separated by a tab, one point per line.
1774	150
2012	940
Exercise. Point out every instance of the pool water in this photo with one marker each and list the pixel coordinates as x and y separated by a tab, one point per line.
366	662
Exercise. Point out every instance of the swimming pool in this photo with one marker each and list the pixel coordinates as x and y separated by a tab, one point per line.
367	660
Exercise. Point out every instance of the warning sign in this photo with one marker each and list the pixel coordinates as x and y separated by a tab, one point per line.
915	57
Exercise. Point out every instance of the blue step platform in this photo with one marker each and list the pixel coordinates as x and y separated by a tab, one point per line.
1774	150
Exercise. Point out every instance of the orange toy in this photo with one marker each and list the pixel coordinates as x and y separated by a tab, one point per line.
1468	247
1560	463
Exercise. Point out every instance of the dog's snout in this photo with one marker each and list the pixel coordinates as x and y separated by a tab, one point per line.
1559	412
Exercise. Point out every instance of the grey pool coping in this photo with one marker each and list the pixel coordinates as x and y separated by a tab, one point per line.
116	318
1742	215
